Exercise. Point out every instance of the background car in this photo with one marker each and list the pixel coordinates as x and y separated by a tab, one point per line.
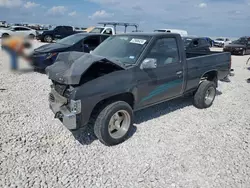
58	32
210	41
196	43
81	42
240	46
221	42
18	31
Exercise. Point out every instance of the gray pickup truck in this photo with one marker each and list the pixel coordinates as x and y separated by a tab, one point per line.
126	73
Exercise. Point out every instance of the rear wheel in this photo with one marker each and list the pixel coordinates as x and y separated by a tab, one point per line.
114	123
205	95
48	38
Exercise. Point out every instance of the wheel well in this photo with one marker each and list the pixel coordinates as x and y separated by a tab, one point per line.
210	76
126	97
6	34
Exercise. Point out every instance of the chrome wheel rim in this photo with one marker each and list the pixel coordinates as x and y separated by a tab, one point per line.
48	39
119	124
209	96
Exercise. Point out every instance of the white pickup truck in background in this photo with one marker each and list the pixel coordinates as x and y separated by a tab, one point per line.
183	33
111	30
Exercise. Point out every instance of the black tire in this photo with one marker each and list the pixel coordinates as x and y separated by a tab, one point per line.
101	126
48	38
5	35
31	36
200	95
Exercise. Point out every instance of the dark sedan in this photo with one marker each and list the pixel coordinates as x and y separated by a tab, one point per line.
196	44
240	46
82	42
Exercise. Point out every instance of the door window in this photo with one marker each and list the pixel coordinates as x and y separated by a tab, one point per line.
165	51
68	29
16	29
108	31
92	42
23	29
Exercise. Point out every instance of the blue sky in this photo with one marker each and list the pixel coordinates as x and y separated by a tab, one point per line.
198	17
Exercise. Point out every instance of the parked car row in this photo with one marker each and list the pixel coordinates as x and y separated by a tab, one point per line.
240	46
221	42
18	31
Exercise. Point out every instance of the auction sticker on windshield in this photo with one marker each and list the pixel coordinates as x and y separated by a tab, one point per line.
138	41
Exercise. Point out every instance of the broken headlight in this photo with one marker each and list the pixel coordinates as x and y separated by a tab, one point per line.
75	106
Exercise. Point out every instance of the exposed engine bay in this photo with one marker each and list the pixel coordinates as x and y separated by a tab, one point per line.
74	68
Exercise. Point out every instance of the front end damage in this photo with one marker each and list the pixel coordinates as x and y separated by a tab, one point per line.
70	71
67	111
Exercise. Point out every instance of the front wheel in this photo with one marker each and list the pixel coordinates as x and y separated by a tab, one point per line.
205	95
114	123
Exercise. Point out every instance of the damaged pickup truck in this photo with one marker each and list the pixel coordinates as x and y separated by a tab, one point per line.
126	73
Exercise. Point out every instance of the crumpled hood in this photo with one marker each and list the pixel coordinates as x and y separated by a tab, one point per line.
70	66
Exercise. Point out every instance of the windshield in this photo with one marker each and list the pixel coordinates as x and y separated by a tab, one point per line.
240	41
97	30
220	39
187	41
71	40
125	49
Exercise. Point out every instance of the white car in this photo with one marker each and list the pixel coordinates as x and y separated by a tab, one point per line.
17	31
221	42
183	33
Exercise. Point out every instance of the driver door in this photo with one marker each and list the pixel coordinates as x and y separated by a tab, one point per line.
166	80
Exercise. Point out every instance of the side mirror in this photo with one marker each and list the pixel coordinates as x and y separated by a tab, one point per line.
148	63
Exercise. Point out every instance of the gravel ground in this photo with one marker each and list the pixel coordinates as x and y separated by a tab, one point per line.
172	145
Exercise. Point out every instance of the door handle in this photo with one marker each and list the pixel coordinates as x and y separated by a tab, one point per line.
179	72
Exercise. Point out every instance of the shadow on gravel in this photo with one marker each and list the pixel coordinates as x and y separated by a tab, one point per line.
161	109
164	108
28	70
86	135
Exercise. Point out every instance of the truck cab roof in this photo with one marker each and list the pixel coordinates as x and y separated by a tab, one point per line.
152	34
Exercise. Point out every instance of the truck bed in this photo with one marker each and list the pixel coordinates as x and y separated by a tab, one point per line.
199	62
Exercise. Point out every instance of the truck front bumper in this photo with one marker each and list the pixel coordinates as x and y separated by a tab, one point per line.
61	111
